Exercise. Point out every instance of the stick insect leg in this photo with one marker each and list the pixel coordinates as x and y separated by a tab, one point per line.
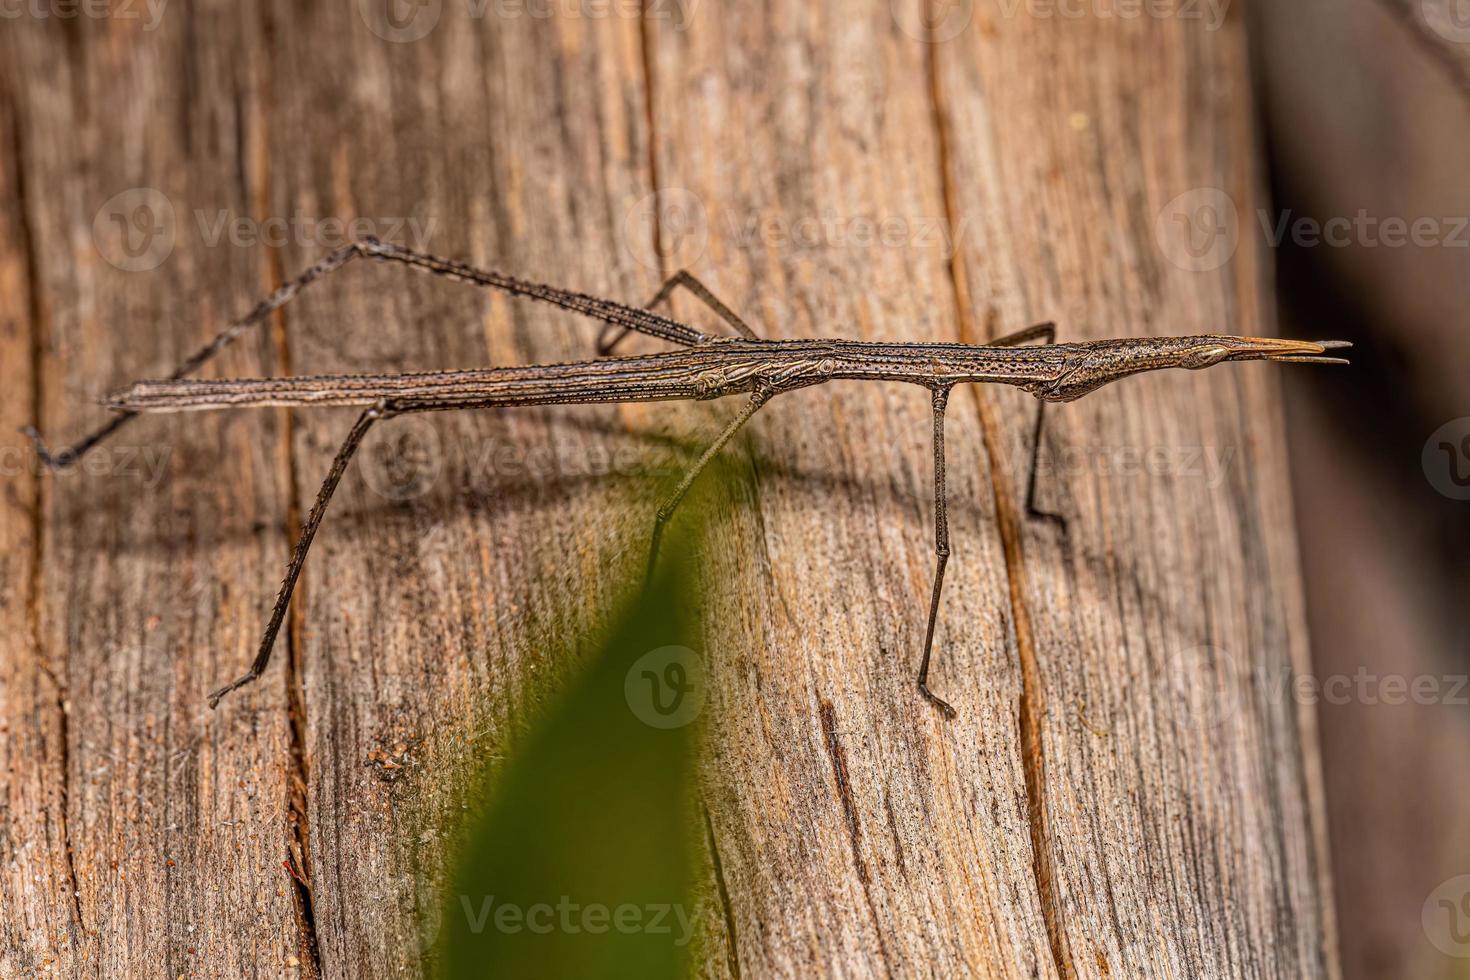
613	335
1021	337
1047	333
61	459
666	509
616	315
303	545
941	550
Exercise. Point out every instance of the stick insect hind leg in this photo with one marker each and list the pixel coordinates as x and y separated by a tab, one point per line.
348	450
614	316
344	456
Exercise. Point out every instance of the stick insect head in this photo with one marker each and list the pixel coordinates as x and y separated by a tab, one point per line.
1089	366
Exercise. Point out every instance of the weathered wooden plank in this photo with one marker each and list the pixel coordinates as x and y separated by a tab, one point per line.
154	553
1096	808
1175	797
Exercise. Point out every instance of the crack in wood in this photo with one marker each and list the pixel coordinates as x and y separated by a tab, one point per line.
1031	710
732	956
849	812
297	777
36	313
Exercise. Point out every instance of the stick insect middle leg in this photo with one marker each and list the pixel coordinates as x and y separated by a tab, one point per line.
941	550
612	334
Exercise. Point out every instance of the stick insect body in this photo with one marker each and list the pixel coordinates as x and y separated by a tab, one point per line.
704	367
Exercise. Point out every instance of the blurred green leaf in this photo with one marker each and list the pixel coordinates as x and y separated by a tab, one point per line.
582	861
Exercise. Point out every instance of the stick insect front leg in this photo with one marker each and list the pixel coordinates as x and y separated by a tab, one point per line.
701	292
941	549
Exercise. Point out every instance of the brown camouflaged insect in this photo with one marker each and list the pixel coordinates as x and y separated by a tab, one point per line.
706	367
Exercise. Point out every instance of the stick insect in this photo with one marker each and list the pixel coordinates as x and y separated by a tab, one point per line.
702	367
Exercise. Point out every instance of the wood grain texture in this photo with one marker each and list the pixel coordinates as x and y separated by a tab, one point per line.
41	926
1104	805
151	558
1159	734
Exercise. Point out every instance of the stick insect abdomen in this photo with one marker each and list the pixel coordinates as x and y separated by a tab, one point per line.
678	375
